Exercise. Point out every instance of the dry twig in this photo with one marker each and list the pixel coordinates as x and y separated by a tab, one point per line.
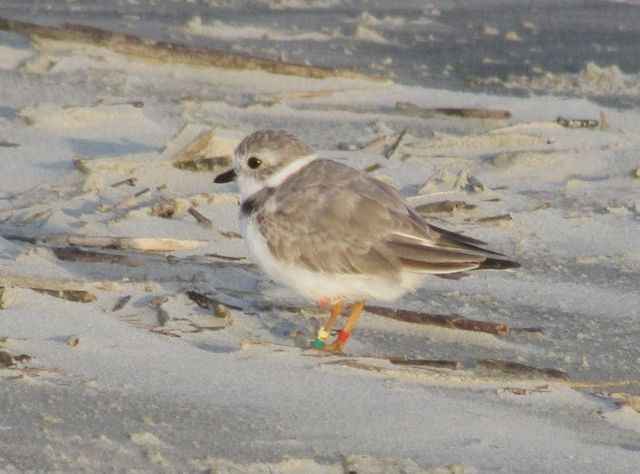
445	320
521	369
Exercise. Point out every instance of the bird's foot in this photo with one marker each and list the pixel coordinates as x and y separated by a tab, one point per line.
337	346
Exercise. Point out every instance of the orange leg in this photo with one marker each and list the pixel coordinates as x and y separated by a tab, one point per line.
345	333
323	332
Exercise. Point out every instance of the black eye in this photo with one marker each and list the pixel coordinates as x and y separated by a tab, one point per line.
254	162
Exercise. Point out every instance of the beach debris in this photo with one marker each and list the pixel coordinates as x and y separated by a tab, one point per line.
77	296
22	358
410	109
73	341
202	220
516	368
125	203
390	149
366	463
636	173
577	123
205	152
437	363
207	302
444	206
522	391
495	220
221	311
449	321
136	47
121	303
129	182
224	257
143	244
372	167
386	144
626	399
4	298
74	254
6	360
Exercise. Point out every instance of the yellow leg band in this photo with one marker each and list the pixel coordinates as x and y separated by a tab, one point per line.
322	335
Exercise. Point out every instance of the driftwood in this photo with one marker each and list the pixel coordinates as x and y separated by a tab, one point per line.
128	182
202	220
495	219
169	52
143	244
521	369
407	108
391	149
445	320
440	364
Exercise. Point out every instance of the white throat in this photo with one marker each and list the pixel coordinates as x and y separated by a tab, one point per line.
249	186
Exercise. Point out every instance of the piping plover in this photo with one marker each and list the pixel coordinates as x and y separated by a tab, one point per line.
333	233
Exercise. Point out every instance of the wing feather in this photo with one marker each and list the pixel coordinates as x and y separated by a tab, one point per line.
331	218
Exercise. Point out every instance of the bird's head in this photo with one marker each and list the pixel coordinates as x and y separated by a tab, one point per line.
265	159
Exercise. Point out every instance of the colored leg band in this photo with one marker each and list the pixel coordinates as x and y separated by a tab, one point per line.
322	334
318	344
343	336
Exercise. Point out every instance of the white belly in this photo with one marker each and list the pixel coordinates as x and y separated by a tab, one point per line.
316	285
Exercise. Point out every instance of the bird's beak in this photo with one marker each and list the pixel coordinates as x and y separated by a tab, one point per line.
226	177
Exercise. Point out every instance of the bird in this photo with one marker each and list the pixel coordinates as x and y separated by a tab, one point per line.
334	234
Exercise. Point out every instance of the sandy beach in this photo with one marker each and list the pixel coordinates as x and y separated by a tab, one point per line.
135	336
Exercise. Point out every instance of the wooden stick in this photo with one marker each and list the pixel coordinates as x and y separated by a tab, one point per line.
450	321
128	182
495	219
391	149
442	364
169	52
521	369
202	220
144	244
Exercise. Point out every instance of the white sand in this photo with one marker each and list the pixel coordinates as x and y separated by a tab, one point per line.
128	397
